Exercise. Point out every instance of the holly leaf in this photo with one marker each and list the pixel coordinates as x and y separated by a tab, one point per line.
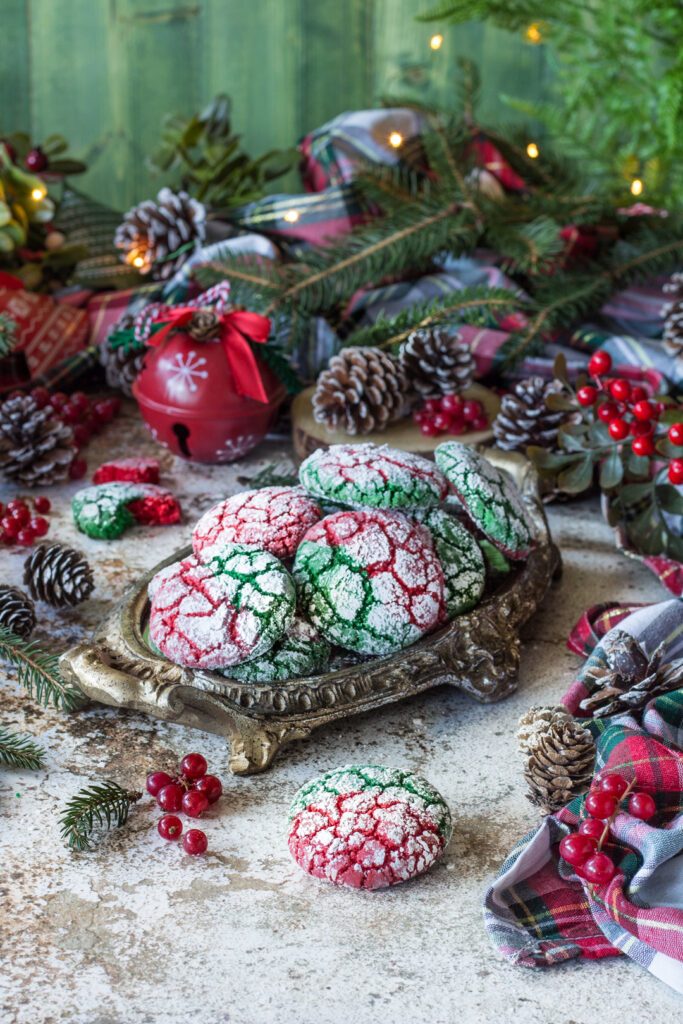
547	462
666	448
670	416
669	499
578	477
560	369
67	167
570	443
629	494
637	465
598	433
611	471
559	403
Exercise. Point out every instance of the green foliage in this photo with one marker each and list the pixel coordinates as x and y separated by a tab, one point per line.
273	474
38	671
105	805
202	156
8	333
20	751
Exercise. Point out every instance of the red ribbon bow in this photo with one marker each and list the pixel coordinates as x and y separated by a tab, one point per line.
238	328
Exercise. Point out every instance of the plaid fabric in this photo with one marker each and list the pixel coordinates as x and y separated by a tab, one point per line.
597	621
106	309
87	222
538	912
313	218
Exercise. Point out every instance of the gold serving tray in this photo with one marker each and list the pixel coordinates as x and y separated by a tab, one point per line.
477	653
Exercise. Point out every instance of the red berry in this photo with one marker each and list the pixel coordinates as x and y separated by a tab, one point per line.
26	537
42	504
675	471
600	805
457	427
643	445
81	434
481	423
195	803
114	405
58	400
598	869
592	827
619	429
600	362
170	797
432	405
644	410
193	766
638	394
71	413
576	848
16	503
615	785
2	508
10	527
5	537
103	410
471	410
41	396
170	827
21	513
428	428
676	434
452	404
157	781
607	411
641	805
639	428
39	525
78	469
11	151
195	842
441	421
36	160
210	786
420	415
587	395
621	390
80	399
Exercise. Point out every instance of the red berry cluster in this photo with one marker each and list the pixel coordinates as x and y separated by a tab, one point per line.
583	849
35	160
18	525
191	791
628	411
450	414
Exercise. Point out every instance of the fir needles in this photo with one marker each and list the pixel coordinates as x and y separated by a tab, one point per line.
38	671
105	805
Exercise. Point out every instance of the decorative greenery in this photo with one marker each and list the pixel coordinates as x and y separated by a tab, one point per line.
19	751
273	474
8	332
38	671
106	805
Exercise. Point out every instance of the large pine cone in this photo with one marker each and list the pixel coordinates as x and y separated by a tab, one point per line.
151	233
58	575
121	365
560	762
673	316
436	363
525	419
35	447
17	612
630	680
363	389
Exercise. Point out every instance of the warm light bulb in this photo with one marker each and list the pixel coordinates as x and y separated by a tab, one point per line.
38	194
533	34
532	150
291	216
138	261
636	186
395	139
435	42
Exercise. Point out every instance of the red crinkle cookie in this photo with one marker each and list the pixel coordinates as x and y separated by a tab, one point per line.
155	509
273	518
136	470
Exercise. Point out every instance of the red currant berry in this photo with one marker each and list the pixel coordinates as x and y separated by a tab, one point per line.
157	781
621	390
641	805
600	805
639	428
428	428
195	842
41	396
21	513
39	525
78	469
592	827
5	537
471	410
432	405
71	413
420	415
15	504
675	471
676	434
619	429
457	427
441	421
600	362
80	399
42	504
638	394
587	395
210	786
36	160
615	785
607	411
58	400
452	404
643	445
644	410
481	423
2	508
195	803
103	410
577	848
114	405
170	827
170	797
26	537
598	869
81	434
10	527
193	766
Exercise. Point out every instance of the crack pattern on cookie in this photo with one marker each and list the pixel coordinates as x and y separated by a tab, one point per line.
368	826
375	476
301	651
272	518
490	498
104	511
224	612
369	580
464	570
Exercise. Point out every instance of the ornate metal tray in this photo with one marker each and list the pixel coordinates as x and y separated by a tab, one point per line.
477	653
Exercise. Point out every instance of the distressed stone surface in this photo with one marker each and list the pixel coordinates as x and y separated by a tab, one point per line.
138	933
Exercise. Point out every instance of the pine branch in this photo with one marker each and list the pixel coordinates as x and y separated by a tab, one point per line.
38	671
20	751
106	805
8	334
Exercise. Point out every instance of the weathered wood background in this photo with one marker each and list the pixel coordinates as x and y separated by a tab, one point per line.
103	72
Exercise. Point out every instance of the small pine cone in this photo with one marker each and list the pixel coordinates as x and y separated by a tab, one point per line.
537	719
58	575
152	232
436	363
362	389
205	324
17	611
673	316
560	764
525	419
121	365
36	448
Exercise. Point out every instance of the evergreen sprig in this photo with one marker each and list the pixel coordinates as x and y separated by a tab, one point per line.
38	671
106	805
8	334
20	751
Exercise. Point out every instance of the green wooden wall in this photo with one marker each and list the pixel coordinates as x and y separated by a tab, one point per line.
103	72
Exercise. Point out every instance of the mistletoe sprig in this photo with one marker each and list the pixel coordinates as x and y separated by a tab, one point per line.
631	443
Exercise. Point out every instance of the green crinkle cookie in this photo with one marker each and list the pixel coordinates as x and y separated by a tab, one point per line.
462	562
101	511
302	651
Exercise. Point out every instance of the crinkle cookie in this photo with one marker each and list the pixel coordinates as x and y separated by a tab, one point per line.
104	511
367	826
273	518
373	475
490	498
369	580
301	651
133	470
464	570
221	613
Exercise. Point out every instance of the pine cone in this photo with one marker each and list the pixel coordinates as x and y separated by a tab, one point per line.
630	680
362	389
673	316
58	575
17	612
537	719
205	324
121	365
153	231
525	419
35	447
560	764
436	363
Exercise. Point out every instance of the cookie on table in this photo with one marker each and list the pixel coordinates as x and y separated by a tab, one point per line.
374	476
368	826
272	518
134	470
222	613
369	580
301	651
104	511
490	498
464	569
